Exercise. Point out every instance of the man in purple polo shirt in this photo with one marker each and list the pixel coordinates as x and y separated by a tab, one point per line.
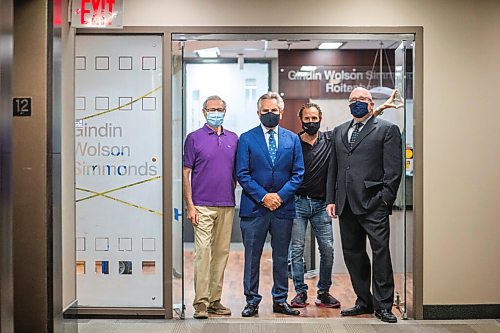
209	181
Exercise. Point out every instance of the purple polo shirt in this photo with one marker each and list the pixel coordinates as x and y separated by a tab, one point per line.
211	158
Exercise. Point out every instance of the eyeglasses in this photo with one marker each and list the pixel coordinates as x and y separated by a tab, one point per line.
359	99
216	110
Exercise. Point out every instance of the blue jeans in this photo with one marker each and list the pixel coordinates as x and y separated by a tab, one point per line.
312	210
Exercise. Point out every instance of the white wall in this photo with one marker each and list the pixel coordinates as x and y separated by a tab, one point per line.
461	136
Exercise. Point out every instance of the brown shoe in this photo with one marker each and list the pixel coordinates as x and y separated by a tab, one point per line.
200	311
218	309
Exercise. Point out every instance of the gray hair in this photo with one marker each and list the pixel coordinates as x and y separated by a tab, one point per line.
213	98
271	95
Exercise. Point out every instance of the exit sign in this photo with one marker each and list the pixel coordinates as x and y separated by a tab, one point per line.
107	14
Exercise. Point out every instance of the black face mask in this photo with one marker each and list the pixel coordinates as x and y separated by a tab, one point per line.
270	119
311	128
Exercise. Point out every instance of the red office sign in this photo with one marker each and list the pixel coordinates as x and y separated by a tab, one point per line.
107	14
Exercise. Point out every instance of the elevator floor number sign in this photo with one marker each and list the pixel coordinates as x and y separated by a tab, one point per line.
22	106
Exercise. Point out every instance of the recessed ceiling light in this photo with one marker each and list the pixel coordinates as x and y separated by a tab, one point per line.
308	68
330	46
208	53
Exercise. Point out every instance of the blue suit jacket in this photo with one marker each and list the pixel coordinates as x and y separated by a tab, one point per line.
258	176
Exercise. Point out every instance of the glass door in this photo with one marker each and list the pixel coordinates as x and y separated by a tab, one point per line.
239	85
402	224
193	79
178	134
391	80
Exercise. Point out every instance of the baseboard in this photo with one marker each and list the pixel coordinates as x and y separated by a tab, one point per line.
462	311
114	313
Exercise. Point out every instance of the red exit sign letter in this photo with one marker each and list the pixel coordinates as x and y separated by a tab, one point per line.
97	13
102	11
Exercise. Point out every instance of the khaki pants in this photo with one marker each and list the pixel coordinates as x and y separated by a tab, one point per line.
212	237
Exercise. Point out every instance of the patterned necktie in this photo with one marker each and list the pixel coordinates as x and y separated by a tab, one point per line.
272	146
354	134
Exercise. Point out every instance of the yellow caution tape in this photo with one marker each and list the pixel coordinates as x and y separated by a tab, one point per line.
124	105
118	188
103	194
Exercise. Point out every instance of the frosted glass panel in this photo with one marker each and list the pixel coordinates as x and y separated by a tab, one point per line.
118	157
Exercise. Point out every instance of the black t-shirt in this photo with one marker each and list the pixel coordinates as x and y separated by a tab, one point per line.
316	160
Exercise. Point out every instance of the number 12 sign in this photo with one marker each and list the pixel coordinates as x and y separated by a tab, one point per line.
22	106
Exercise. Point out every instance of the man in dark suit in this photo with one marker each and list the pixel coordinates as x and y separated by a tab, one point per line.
270	168
363	179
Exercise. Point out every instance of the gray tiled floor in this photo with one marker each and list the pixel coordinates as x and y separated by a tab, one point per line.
286	325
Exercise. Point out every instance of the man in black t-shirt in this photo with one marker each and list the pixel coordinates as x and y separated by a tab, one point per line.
311	207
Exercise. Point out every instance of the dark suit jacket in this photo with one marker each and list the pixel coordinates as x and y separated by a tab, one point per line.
370	172
258	176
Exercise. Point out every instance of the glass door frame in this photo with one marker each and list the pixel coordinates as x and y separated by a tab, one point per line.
234	36
178	64
401	303
169	34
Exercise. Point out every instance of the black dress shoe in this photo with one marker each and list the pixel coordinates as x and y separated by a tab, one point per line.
285	308
386	315
356	311
250	310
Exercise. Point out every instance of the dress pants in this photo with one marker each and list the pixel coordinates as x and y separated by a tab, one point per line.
354	230
212	238
254	232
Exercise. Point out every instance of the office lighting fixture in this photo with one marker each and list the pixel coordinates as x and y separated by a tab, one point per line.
308	68
381	92
208	53
301	74
330	45
241	61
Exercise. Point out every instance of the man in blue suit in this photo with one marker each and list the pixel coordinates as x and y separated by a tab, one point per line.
269	168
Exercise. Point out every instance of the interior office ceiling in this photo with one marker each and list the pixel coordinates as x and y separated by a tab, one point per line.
269	49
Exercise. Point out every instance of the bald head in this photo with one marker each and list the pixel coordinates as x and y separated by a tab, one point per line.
359	92
359	110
